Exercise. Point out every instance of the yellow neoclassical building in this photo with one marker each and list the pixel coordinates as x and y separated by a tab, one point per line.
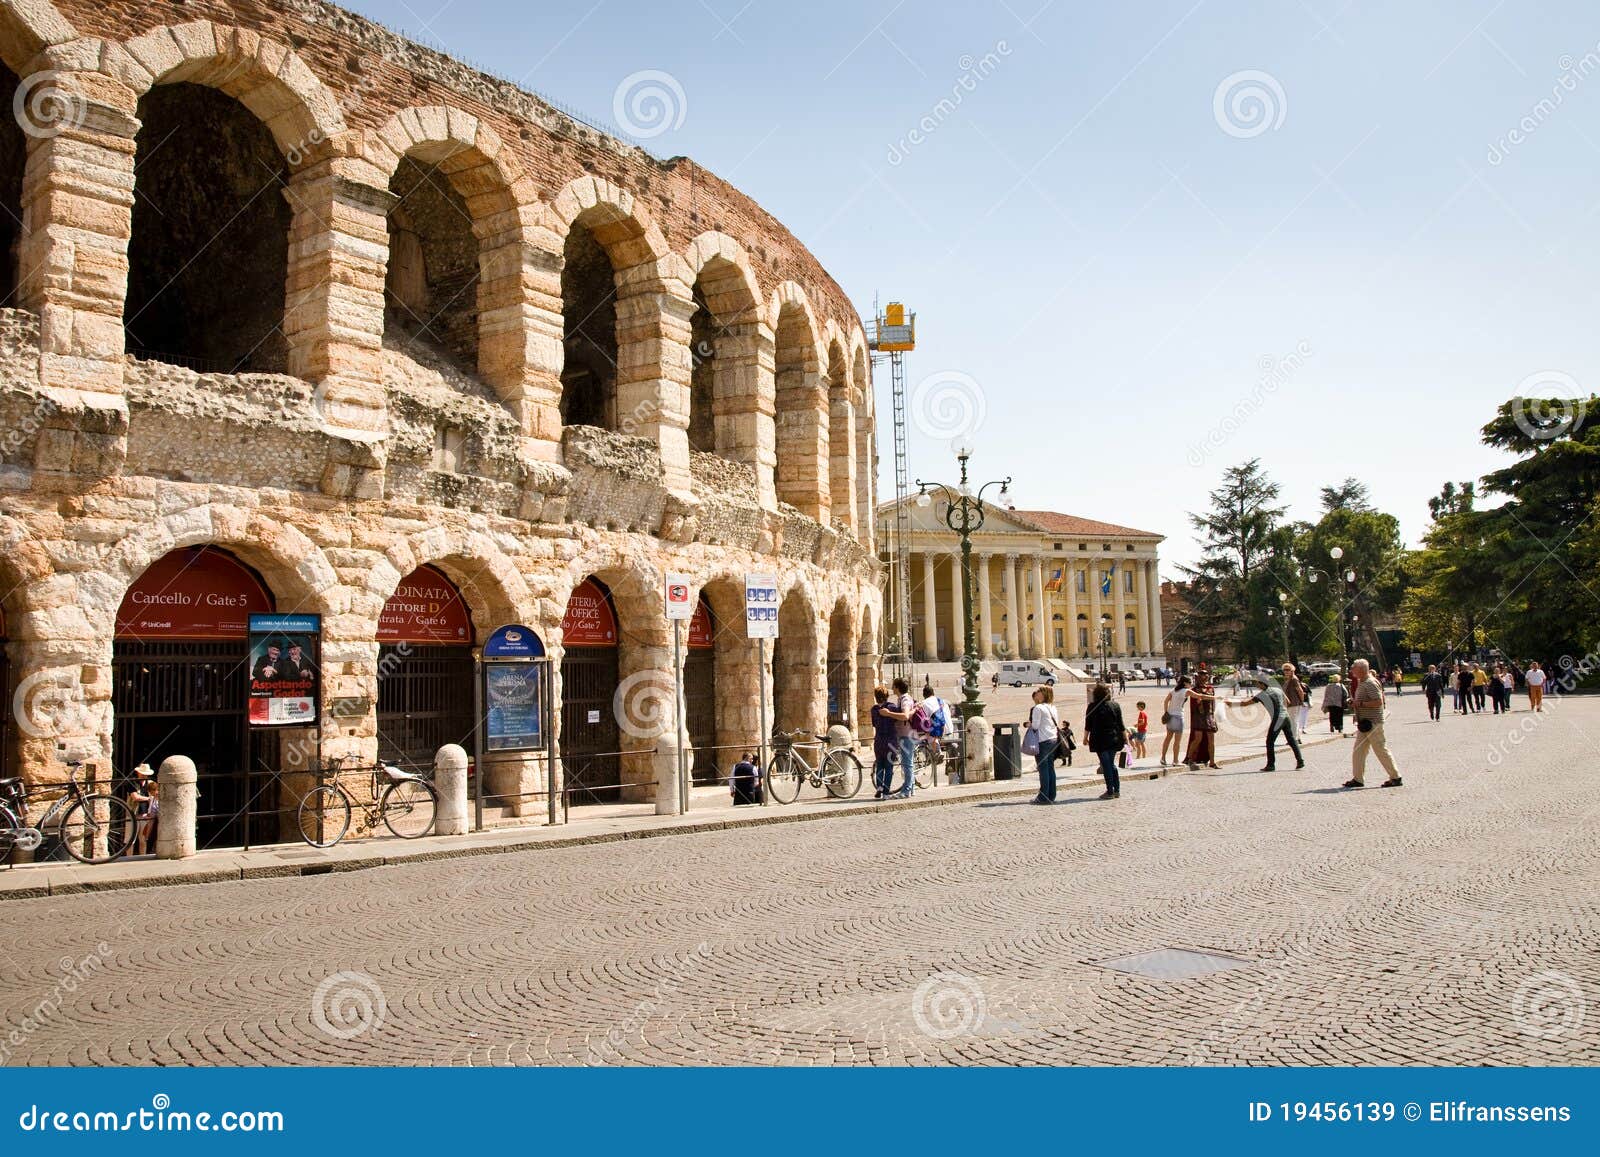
1046	586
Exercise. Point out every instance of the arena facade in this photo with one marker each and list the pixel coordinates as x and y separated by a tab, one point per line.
300	316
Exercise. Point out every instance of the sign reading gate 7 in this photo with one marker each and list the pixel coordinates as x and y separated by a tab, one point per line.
761	606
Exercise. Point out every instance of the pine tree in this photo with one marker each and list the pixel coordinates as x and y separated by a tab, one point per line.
1229	587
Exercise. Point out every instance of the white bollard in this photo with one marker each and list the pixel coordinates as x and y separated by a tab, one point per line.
840	736
979	747
179	796
666	765
450	780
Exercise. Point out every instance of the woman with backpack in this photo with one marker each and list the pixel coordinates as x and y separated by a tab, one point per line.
1106	736
1044	736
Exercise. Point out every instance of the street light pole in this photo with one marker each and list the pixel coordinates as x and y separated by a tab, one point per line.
964	514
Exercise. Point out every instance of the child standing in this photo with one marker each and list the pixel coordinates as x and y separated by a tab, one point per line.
1140	726
1068	744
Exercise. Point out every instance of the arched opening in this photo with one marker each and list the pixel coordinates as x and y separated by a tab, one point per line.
208	258
796	669
801	466
1082	641
841	438
180	686
589	332
840	666
431	289
703	336
425	671
13	160
591	735
700	694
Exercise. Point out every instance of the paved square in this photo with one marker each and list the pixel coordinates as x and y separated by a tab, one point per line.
1454	921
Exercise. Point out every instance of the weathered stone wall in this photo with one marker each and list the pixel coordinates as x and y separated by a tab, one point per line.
380	449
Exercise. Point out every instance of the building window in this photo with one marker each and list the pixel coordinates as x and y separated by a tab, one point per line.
1127	581
1081	578
1083	638
1060	638
1132	638
1057	546
1105	546
1082	547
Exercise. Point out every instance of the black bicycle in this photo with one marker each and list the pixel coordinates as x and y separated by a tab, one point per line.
406	804
94	827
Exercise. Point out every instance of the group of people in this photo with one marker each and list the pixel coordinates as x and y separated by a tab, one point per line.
1473	684
1049	738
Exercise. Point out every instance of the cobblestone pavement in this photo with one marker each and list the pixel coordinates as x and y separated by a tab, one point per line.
1453	921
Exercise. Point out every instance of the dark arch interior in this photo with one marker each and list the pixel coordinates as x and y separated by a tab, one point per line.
13	158
589	331
703	334
208	260
840	708
431	292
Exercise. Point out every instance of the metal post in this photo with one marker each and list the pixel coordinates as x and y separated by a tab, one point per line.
677	682
479	723
761	669
548	698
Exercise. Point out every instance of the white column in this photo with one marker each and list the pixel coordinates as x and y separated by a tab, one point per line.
1141	604
958	609
1119	609
1158	642
1095	610
1041	621
1011	574
985	627
930	612
1070	580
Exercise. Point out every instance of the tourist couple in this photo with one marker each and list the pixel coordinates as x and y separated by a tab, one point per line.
1047	739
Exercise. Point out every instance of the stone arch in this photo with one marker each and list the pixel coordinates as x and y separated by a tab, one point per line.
731	400
799	693
267	77
738	676
487	577
866	464
801	436
455	236
27	29
626	305
840	706
841	433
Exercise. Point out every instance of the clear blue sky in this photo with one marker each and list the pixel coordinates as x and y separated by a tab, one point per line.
1084	240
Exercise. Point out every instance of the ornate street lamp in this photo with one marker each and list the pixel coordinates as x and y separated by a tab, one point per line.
964	514
1105	648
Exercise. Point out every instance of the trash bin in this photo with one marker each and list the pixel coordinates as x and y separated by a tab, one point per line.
1008	751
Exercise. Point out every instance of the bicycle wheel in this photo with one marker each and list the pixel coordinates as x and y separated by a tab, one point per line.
408	807
922	767
324	816
97	829
841	772
784	776
8	832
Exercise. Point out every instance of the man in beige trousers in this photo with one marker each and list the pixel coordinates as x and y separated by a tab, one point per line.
1366	704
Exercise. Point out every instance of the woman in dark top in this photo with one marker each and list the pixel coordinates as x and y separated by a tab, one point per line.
884	744
1106	735
1202	723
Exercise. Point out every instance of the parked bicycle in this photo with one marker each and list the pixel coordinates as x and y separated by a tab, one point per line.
839	770
406	804
94	828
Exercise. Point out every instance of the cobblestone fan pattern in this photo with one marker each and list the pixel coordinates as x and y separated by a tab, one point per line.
1452	921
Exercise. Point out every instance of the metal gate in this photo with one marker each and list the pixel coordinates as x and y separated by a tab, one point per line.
590	736
5	708
189	698
700	713
838	691
424	702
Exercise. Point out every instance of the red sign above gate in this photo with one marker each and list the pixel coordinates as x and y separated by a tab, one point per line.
197	592
589	621
425	608
701	634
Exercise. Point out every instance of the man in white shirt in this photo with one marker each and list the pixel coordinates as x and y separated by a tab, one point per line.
1535	679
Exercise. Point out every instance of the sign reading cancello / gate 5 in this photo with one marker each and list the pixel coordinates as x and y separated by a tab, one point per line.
284	670
513	690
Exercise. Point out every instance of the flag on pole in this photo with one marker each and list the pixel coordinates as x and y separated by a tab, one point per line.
1105	579
1055	580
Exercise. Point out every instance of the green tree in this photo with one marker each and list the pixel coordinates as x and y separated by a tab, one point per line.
1231	585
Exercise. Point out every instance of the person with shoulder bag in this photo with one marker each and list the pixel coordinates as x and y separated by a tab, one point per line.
1106	735
1043	741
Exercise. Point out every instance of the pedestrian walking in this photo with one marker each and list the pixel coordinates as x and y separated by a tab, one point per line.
1464	688
1480	686
1496	691
1106	736
1507	683
1172	720
1334	698
1398	676
883	743
1297	696
1367	705
1202	723
1122	682
1045	725
1278	722
1433	690
1536	679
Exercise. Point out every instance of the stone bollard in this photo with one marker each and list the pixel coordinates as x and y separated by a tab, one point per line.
979	746
840	736
450	780
179	794
666	763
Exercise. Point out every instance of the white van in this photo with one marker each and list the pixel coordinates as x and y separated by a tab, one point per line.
1027	672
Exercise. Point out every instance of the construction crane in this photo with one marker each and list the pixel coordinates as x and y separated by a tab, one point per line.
894	334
